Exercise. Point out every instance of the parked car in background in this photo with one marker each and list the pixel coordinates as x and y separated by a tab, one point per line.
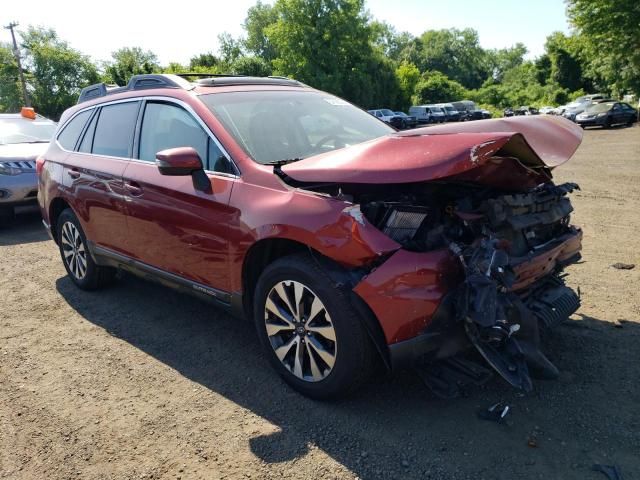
508	112
486	114
438	113
409	121
422	114
351	246
547	110
468	110
571	110
389	116
450	113
426	114
23	136
607	114
526	110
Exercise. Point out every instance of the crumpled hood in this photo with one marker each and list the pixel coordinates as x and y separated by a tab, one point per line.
432	153
22	151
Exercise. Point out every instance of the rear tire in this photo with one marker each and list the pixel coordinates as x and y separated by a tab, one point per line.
77	260
321	349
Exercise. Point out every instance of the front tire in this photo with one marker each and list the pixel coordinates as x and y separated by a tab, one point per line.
77	260
313	336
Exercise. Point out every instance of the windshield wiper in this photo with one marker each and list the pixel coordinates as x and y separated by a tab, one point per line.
285	161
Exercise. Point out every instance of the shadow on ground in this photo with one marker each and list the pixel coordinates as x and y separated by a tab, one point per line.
25	228
394	428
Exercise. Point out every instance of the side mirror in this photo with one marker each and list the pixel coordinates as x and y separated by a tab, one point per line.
178	161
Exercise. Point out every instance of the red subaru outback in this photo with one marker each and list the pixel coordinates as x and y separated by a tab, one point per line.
349	244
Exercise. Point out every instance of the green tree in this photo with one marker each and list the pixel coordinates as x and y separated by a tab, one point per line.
436	87
566	68
504	59
10	93
127	62
455	53
204	60
543	69
56	72
612	38
254	66
408	77
259	17
329	44
230	49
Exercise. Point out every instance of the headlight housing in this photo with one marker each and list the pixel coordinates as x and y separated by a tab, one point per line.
6	169
604	114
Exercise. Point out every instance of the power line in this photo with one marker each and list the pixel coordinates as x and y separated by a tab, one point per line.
16	52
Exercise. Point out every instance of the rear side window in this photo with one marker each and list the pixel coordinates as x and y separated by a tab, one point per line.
70	133
169	126
114	130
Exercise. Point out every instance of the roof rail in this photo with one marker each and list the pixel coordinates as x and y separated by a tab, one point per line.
226	80
137	82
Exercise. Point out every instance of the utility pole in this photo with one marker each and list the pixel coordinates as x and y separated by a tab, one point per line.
16	52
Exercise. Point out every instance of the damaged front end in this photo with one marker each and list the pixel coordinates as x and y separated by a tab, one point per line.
484	232
511	249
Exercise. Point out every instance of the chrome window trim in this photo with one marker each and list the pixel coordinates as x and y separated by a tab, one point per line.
161	98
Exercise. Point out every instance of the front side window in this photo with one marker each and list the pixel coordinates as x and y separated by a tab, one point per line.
279	125
69	136
114	130
169	126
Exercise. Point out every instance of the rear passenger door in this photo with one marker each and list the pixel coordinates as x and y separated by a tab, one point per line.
172	225
93	172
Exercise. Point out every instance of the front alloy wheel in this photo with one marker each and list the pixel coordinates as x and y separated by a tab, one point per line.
300	331
73	250
309	328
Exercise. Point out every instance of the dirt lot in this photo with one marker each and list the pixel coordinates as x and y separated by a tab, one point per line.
139	382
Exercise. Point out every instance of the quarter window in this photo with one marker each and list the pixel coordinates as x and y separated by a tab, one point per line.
87	140
114	130
69	136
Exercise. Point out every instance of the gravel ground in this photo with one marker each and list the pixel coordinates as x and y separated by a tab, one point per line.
137	381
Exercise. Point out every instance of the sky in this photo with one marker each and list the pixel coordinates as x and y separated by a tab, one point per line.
176	31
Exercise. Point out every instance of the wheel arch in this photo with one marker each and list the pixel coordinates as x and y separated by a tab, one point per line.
266	251
56	207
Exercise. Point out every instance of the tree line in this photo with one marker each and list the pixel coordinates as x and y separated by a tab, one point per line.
335	45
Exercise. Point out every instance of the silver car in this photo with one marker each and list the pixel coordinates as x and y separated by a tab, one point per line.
23	136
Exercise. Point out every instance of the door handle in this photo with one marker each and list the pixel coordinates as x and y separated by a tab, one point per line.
134	189
73	173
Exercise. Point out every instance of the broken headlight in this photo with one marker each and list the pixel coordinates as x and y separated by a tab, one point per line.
401	225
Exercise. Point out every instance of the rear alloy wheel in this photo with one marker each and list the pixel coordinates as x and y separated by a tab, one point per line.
74	252
310	330
77	260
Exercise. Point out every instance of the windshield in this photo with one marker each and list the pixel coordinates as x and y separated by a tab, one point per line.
599	107
387	113
277	126
21	130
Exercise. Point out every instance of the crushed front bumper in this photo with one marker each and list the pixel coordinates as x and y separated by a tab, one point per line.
411	295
